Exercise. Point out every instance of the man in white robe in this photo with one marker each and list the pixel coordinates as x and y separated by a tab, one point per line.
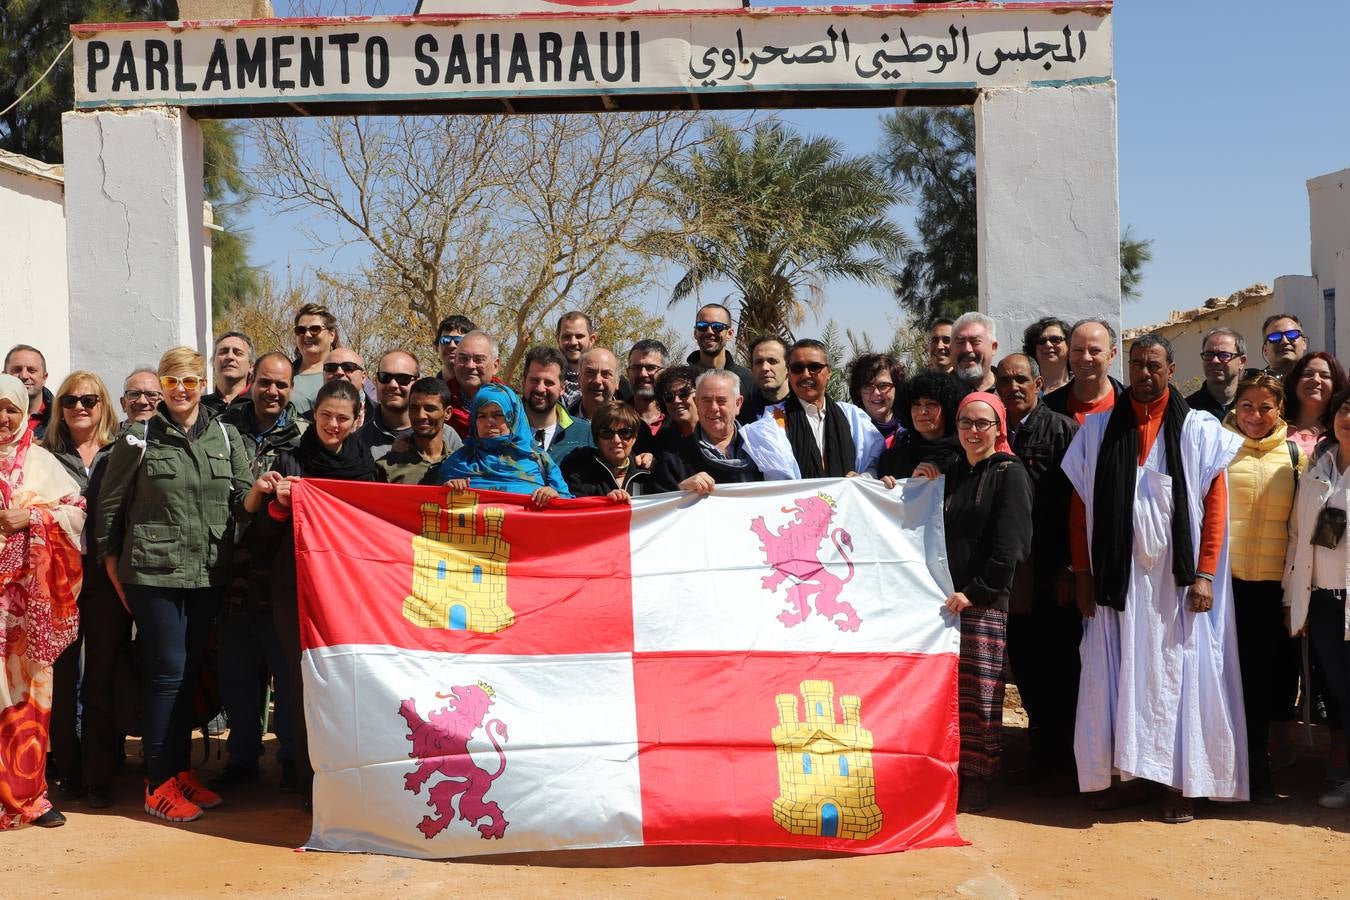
1160	695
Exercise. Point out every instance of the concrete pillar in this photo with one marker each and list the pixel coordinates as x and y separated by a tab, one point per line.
1049	206
138	271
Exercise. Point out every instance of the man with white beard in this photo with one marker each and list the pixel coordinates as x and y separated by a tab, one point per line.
973	349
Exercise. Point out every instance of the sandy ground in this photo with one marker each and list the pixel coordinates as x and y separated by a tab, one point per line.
1026	845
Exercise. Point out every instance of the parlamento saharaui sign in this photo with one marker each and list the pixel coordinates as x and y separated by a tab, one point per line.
421	58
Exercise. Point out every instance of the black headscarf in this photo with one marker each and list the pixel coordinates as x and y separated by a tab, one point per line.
840	451
1113	500
352	462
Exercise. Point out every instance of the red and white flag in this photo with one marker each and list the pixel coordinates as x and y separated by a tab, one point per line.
771	665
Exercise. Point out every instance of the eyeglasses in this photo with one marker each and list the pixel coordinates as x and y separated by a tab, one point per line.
878	388
348	367
801	368
1222	356
980	425
606	433
148	396
188	382
644	368
1055	339
714	327
449	340
1291	336
88	401
681	395
402	379
464	359
311	330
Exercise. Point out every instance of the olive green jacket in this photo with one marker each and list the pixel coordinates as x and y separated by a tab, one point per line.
168	505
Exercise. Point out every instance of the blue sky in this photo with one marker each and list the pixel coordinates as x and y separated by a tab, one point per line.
1225	111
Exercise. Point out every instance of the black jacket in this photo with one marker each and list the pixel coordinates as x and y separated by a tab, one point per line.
1058	399
588	476
988	511
1040	443
684	458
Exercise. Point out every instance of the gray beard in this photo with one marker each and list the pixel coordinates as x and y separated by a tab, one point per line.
972	374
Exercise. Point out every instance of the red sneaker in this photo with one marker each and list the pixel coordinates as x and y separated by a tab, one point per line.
196	792
168	803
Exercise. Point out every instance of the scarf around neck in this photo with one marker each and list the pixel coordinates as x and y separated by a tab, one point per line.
1113	500
351	462
508	462
840	453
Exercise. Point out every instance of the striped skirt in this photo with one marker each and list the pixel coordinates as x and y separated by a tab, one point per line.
984	641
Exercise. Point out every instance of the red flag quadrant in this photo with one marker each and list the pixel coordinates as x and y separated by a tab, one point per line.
771	665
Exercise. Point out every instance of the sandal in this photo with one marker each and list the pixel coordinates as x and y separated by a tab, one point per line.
1178	809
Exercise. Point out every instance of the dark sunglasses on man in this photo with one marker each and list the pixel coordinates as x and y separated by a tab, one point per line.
402	379
147	396
801	368
348	367
714	327
1291	335
449	340
311	330
88	401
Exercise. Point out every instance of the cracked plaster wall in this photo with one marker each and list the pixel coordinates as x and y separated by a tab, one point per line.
34	301
1048	206
137	262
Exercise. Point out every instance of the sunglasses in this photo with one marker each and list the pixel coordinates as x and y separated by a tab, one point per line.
1055	339
88	401
714	327
149	396
348	367
682	394
402	379
1222	356
801	368
449	340
606	433
1291	335
311	330
188	382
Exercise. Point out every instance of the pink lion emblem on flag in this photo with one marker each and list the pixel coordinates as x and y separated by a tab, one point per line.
440	744
793	551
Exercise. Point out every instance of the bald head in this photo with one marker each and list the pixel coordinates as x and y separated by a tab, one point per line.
599	376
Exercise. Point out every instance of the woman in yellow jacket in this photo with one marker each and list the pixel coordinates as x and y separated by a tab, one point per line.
1261	482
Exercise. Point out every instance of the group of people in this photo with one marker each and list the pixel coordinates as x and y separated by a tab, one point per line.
1146	565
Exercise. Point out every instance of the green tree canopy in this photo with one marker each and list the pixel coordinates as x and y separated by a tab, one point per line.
777	215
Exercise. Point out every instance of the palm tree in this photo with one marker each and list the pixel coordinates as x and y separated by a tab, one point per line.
778	217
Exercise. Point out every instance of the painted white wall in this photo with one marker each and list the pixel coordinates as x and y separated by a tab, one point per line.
1341	273
1048	206
1329	222
34	296
137	261
1299	295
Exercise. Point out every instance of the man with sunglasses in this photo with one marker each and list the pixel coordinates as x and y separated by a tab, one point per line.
809	435
448	335
395	375
231	369
541	387
347	364
712	331
249	649
140	395
1224	354
1285	343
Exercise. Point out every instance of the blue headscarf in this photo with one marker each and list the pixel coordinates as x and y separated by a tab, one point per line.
507	463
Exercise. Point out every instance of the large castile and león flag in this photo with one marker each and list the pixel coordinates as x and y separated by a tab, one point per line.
771	665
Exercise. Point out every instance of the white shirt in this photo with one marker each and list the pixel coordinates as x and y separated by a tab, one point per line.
549	432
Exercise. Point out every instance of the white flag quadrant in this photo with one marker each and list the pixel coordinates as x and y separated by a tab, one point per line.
825	565
441	755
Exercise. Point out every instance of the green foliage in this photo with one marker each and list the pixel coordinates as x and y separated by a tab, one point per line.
1134	255
32	33
777	215
930	155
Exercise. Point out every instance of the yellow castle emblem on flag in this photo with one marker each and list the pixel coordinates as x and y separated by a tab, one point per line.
459	567
825	782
